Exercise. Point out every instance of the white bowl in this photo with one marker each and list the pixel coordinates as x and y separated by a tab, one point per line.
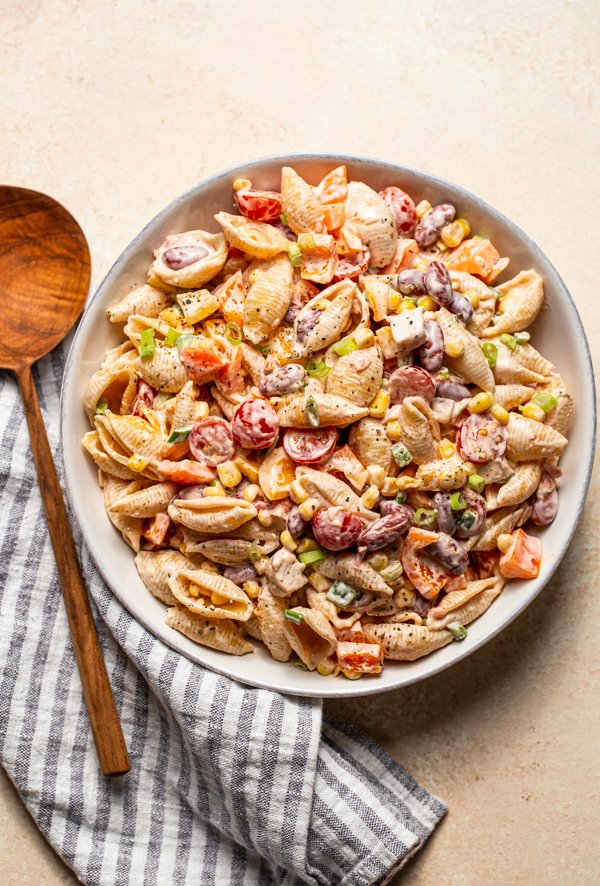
558	334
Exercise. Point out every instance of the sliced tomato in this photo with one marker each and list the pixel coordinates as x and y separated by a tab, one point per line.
201	363
334	187
310	446
144	399
351	267
187	471
211	441
336	528
524	557
480	438
255	424
410	381
158	528
367	658
262	206
231	295
403	208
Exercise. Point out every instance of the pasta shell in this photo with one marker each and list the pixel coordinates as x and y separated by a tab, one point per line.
471	365
131	528
329	610
559	417
227	551
446	411
250	531
220	633
406	642
497	524
209	594
91	442
521	300
226	406
511	396
333	411
145	300
466	604
187	409
117	385
253	362
269	615
145	502
483	313
268	298
120	356
370	442
214	514
164	370
531	359
419	431
357	376
135	435
331	492
343	461
528	440
323	319
313	640
155	568
299	203
509	368
252	628
117	452
444	474
357	574
254	238
520	486
199	272
374	222
406	615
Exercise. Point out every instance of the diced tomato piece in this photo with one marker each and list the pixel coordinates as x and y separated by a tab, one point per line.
351	267
231	295
334	187
262	206
158	528
475	256
524	557
186	471
334	215
230	379
201	363
364	657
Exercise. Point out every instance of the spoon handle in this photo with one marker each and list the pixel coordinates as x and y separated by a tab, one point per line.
100	703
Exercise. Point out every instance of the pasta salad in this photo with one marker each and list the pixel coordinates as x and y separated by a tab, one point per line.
326	428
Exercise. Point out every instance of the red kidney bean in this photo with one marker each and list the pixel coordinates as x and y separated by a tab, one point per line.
438	283
472	519
411	282
403	208
449	553
389	506
291	313
446	517
239	574
295	524
544	502
361	602
307	323
480	438
384	531
283	380
410	381
451	390
178	257
255	424
190	492
428	229
461	306
336	529
431	354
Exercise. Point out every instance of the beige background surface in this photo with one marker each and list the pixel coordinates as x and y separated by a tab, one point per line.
115	107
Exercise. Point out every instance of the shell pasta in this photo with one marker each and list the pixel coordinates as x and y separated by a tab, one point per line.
326	429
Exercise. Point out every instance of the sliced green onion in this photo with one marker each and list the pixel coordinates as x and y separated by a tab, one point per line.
283	219
296	617
184	341
264	349
309	557
233	334
458	631
180	435
172	336
545	401
300	665
295	255
444	372
466	520
392	572
345	346
402	456
522	338
312	413
255	552
457	502
401	497
490	352
509	341
341	594
147	343
101	406
306	241
424	517
477	482
317	369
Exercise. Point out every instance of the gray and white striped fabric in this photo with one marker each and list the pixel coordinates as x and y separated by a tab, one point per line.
228	785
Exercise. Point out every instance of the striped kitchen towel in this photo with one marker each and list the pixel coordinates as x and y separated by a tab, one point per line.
228	784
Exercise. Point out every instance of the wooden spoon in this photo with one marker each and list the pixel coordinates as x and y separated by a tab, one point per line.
44	280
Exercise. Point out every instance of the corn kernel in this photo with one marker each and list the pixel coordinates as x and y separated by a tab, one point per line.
172	316
137	463
440	246
242	184
390	486
376	475
479	403
379	404
250	492
504	542
428	303
420	264
202	410
216	490
394	301
307	544
408	483
218	599
423	207
264	518
379	561
532	410
328	668
352	675
248	468
446	449
194	589
251	588
392	429
473	297
500	413
454	348
287	541
408	304
308	509
454	233
229	474
363	338
319	582
370	497
297	492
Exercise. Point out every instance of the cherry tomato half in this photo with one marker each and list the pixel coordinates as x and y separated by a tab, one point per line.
310	446
255	424
336	528
211	441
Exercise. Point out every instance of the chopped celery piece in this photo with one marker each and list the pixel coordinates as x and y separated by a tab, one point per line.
545	401
477	482
295	617
400	497
171	337
309	557
147	343
179	435
424	517
509	341
184	341
522	338
345	346
295	255
458	631
312	413
317	369
490	352
466	520
392	572
457	502
233	333
254	552
402	456
283	219
101	406
341	594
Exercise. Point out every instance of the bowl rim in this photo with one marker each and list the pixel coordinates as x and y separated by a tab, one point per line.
351	688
